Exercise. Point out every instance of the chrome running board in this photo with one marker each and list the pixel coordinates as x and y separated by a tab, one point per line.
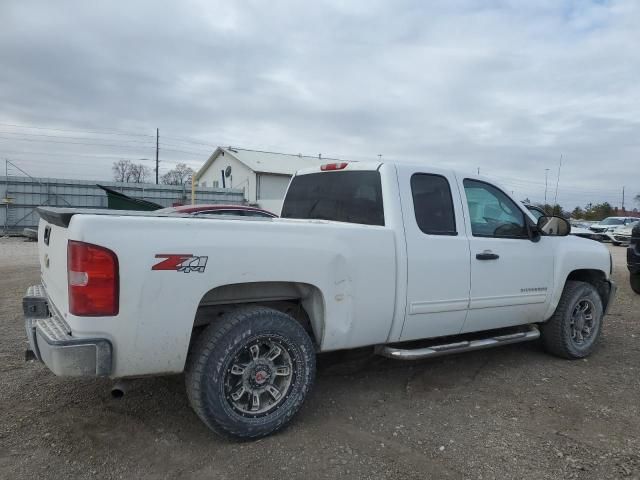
465	346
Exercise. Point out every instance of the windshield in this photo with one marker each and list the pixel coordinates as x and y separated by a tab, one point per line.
351	196
535	211
612	221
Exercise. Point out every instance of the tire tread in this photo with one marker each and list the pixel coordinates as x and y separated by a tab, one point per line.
553	337
210	339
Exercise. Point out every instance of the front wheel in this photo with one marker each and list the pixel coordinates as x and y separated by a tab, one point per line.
573	330
249	372
617	244
634	280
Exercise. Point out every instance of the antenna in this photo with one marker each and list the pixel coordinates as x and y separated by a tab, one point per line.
555	198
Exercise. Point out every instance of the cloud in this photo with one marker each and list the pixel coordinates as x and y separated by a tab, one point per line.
504	86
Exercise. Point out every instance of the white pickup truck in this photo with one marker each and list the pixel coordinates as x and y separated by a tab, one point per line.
411	260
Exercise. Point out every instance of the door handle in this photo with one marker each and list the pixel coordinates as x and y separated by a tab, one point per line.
487	255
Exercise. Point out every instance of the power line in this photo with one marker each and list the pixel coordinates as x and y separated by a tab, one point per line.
185	140
100	132
68	137
105	132
95	156
71	143
93	144
63	140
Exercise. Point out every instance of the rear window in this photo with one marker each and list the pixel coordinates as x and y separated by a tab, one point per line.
353	197
433	204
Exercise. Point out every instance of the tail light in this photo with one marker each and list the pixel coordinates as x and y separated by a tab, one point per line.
93	280
333	166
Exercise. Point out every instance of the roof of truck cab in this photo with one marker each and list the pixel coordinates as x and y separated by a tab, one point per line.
375	165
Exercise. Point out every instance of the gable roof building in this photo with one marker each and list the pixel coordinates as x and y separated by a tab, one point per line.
264	176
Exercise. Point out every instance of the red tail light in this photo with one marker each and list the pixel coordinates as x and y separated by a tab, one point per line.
333	166
93	280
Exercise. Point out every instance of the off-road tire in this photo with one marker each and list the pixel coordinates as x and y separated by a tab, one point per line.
556	332
208	366
634	281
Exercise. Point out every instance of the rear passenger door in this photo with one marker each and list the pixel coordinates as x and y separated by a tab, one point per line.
438	273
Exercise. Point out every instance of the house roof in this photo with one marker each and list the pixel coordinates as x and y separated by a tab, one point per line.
266	162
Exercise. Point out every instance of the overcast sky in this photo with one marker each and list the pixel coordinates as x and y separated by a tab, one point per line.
504	86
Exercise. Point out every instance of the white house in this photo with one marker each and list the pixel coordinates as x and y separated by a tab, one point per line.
264	176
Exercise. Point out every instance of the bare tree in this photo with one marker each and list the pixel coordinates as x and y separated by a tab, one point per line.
139	173
121	170
127	172
178	176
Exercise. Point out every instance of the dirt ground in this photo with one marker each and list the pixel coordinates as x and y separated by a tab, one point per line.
511	412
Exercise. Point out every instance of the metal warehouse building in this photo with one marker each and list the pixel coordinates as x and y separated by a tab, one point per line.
264	176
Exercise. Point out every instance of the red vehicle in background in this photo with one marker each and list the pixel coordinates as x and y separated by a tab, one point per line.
217	209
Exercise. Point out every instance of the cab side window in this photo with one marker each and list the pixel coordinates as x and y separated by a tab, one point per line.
492	213
433	204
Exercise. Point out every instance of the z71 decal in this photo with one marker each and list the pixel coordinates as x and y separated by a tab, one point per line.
185	262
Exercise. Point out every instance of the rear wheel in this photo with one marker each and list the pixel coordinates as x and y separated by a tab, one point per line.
634	280
573	330
249	372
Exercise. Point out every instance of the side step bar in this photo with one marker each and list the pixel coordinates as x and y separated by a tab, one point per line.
465	346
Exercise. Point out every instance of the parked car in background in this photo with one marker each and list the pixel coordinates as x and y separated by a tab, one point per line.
611	225
215	209
580	231
633	259
621	236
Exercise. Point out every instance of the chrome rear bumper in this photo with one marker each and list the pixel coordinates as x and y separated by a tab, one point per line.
53	343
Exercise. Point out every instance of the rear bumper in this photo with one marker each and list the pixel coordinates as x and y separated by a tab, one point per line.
53	343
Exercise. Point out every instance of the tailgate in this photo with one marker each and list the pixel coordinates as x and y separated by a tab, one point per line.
52	253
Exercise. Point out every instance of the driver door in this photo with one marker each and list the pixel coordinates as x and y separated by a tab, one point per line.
511	276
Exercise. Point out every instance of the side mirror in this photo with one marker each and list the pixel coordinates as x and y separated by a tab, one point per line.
553	226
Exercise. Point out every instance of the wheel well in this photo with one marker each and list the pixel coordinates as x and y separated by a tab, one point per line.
302	301
597	278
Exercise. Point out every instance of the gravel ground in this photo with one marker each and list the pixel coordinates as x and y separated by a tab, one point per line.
511	412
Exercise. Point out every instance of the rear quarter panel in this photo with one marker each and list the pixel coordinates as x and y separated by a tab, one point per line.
352	265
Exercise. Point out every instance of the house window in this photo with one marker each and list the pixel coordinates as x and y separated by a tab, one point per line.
204	184
215	184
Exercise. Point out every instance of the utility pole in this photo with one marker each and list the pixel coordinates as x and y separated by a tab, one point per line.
555	198
623	199
157	145
546	175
